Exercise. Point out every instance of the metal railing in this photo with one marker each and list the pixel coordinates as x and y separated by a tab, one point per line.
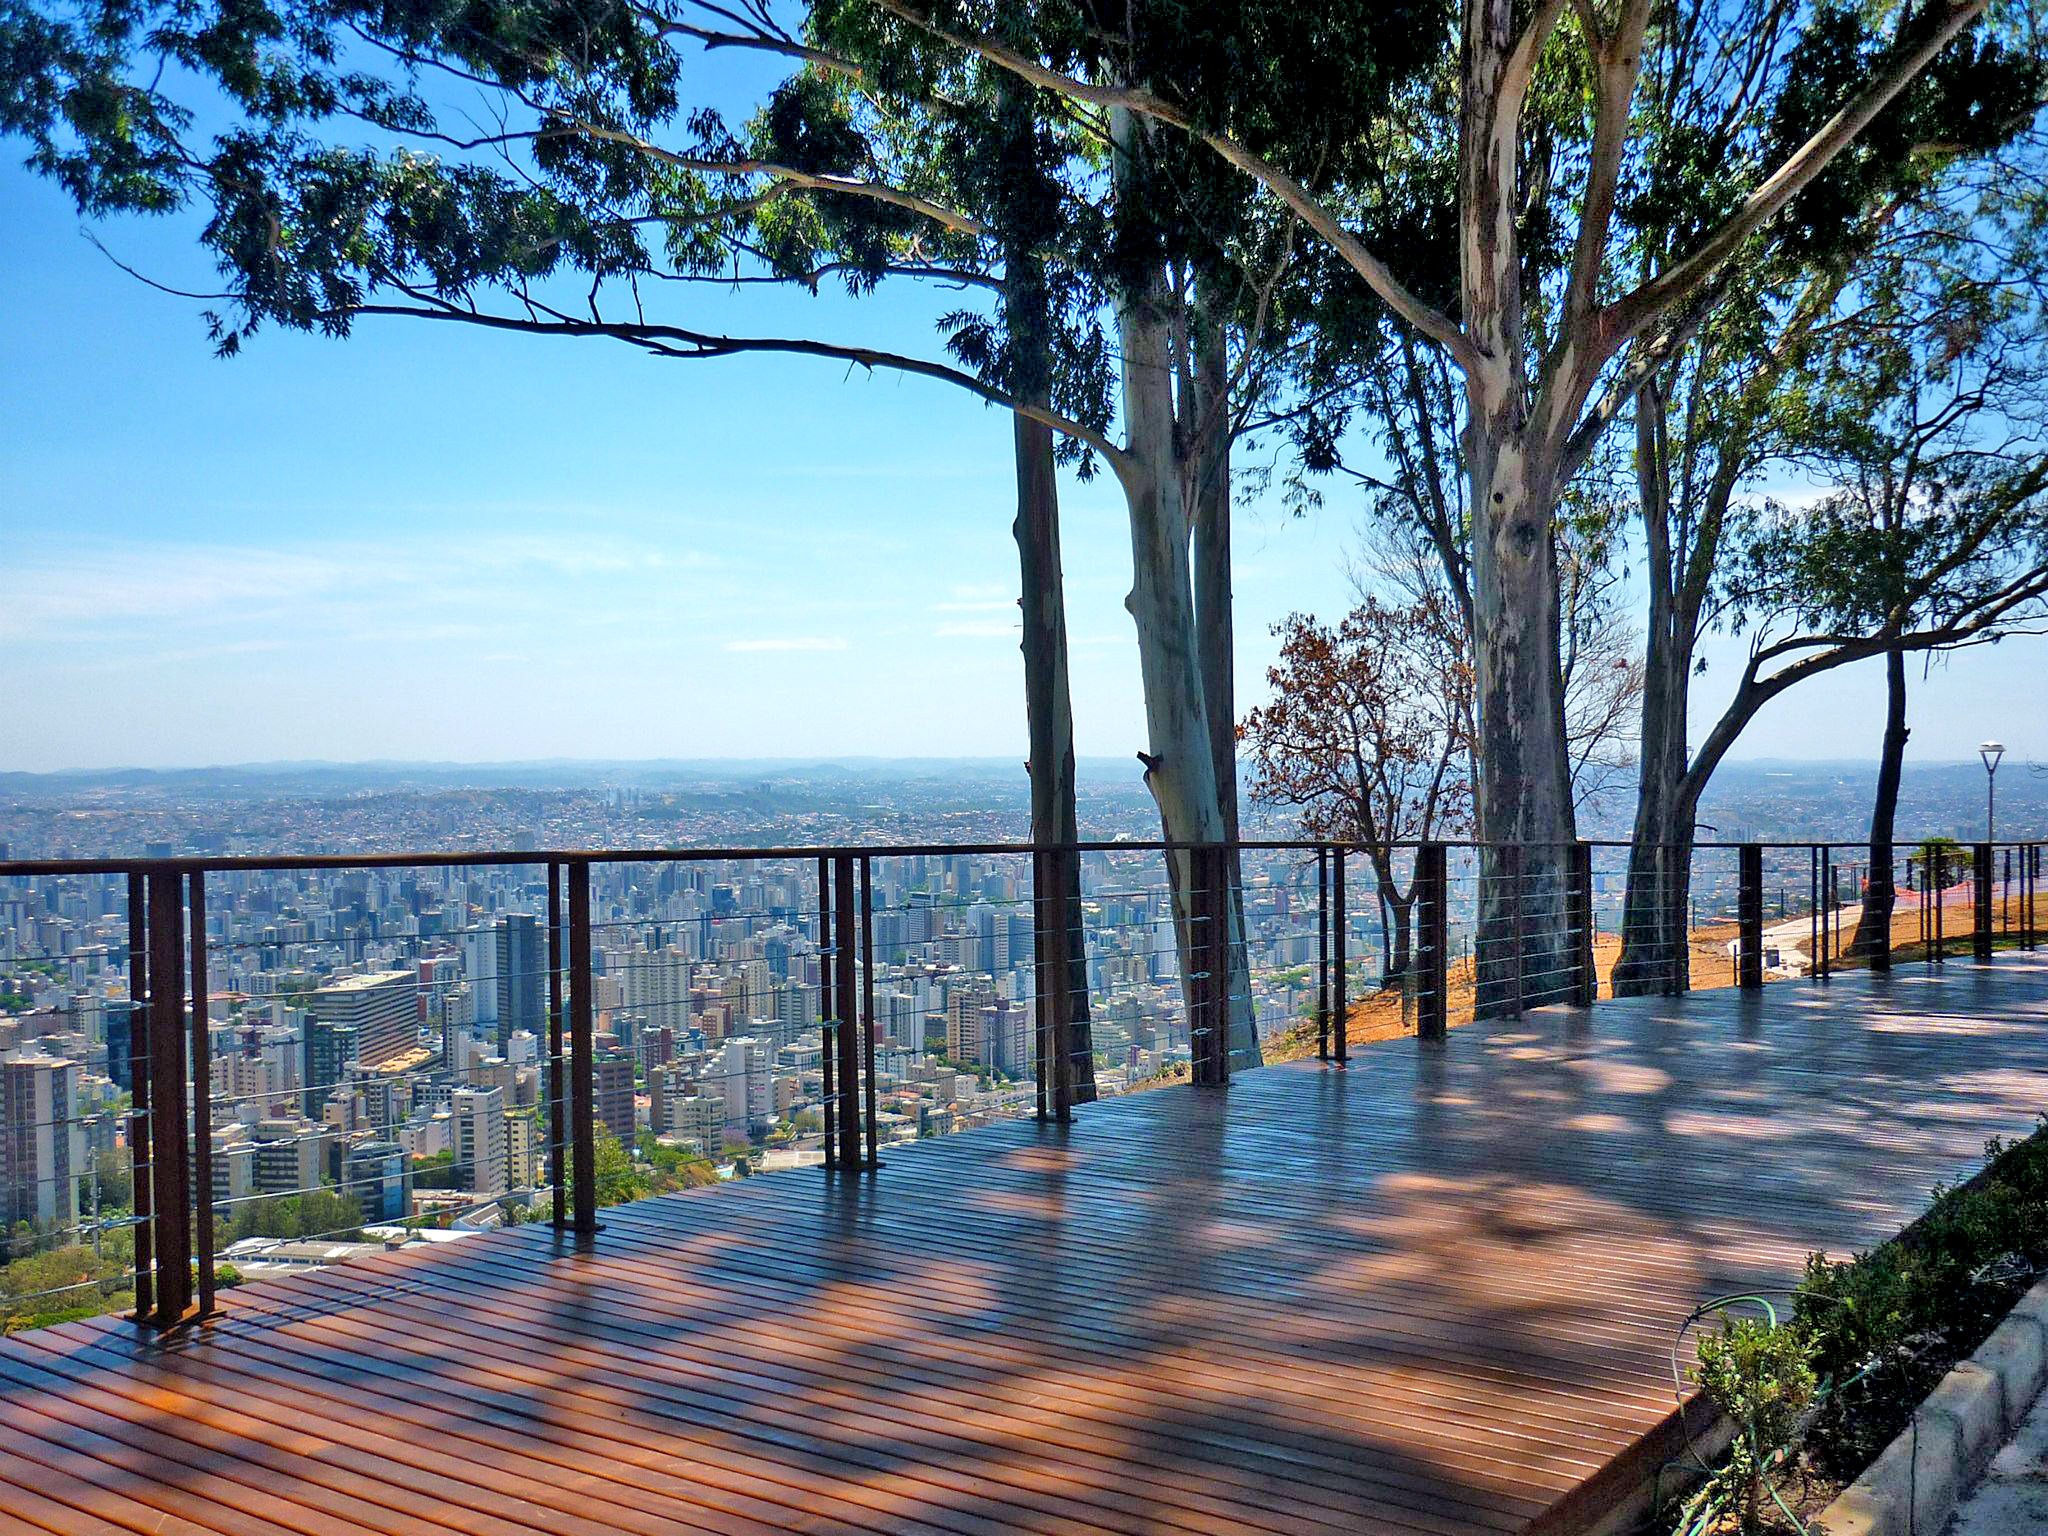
1465	931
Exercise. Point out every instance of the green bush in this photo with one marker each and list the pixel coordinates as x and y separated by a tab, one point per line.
1760	1374
1887	1325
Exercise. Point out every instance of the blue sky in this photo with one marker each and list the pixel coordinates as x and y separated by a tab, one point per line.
431	542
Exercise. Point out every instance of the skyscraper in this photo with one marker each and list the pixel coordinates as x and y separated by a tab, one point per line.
522	966
615	1094
42	1145
482	1145
331	1047
382	1006
378	1176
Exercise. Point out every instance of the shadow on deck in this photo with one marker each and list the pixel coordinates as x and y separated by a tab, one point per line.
1432	1292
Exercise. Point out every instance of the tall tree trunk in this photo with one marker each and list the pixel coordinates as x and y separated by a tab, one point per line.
1880	894
1522	781
1180	763
1216	637
1048	704
1655	956
1180	769
1400	925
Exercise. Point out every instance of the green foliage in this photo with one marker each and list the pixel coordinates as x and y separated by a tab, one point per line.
437	1170
1760	1374
316	1213
116	1181
651	1169
1886	1325
65	1283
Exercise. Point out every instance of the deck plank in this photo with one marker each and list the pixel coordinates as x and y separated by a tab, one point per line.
1429	1293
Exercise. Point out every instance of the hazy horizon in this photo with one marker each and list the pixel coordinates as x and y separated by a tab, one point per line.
1097	763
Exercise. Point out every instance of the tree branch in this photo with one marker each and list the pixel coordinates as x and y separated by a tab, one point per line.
1439	327
1627	317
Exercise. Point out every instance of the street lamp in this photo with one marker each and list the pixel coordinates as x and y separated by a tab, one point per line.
1991	752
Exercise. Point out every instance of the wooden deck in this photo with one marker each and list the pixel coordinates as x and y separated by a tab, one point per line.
1434	1292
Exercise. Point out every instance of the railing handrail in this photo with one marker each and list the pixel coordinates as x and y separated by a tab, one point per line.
188	864
1527	966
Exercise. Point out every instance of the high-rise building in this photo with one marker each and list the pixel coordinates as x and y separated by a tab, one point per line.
966	1025
378	1176
700	1117
383	1008
482	1145
742	1076
526	1165
656	984
521	972
331	1048
615	1095
42	1145
290	1156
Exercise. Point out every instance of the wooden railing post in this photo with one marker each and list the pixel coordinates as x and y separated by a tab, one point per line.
828	999
1510	876
169	1164
870	1111
1203	988
846	1009
1749	910
1339	966
2030	879
1323	951
1934	884
202	1099
1052	966
558	1127
582	1049
141	1176
1432	948
1824	906
1585	976
1984	930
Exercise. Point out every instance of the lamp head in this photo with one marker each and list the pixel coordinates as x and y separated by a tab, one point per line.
1991	752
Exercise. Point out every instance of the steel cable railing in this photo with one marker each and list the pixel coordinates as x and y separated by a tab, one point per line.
725	1009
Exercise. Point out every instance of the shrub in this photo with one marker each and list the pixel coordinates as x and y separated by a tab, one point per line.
1760	1374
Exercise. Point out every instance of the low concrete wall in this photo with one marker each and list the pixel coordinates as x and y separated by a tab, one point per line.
1915	1484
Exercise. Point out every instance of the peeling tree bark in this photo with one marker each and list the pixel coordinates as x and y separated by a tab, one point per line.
1523	761
1180	763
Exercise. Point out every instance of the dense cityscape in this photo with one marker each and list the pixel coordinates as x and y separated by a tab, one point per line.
379	1037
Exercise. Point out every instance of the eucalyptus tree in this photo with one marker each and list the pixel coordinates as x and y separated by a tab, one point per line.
537	166
1202	286
1946	201
1545	359
1930	421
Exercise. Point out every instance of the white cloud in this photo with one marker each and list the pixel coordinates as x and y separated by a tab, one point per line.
788	643
986	629
988	605
93	590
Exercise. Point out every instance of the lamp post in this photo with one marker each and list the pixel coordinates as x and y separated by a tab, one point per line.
1991	752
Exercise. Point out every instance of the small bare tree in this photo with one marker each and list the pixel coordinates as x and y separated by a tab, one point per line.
1367	739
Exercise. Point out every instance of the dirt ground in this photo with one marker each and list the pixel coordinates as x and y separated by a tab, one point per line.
1386	1015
